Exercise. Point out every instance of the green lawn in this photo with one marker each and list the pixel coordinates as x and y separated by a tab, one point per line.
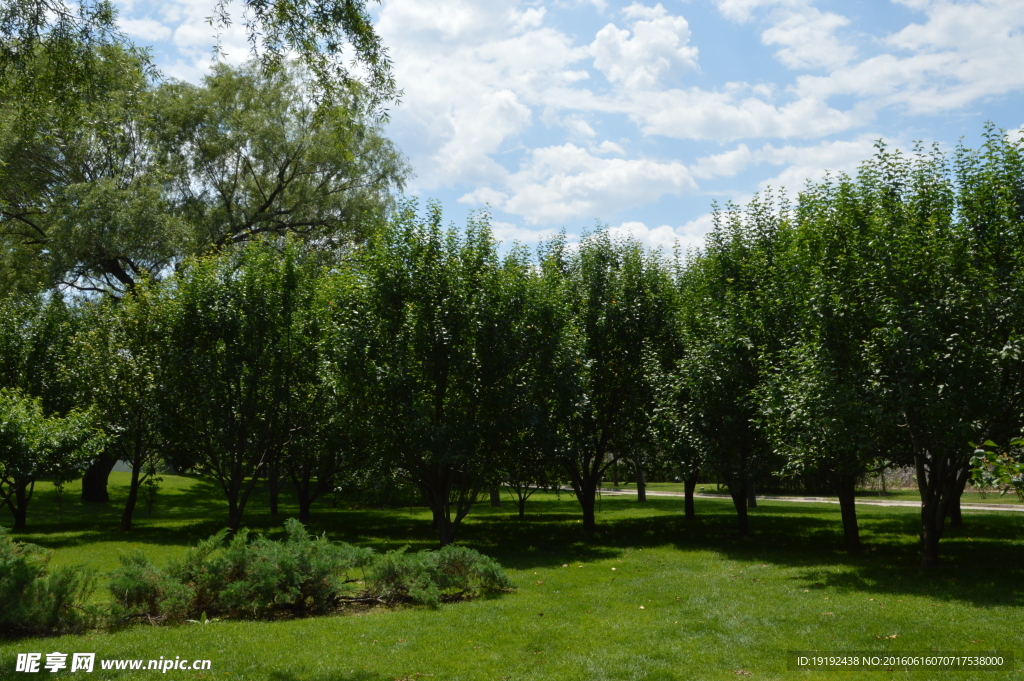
650	597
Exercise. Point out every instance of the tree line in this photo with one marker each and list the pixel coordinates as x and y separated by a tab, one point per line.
874	322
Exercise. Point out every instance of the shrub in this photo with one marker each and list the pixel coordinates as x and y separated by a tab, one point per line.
302	575
432	577
37	602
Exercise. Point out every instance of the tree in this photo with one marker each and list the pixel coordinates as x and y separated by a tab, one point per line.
122	345
609	294
735	317
321	377
671	432
317	31
33	445
82	202
249	153
427	295
818	405
518	344
947	277
225	327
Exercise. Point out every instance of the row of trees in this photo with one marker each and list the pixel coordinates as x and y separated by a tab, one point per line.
877	322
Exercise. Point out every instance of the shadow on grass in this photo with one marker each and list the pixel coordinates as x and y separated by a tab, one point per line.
983	561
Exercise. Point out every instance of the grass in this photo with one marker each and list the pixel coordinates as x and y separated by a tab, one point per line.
712	605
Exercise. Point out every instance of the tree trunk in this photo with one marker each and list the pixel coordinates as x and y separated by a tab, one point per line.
495	496
689	485
846	486
587	502
522	507
739	500
446	529
305	503
94	482
133	496
274	487
956	518
641	481
751	496
931	532
615	473
19	505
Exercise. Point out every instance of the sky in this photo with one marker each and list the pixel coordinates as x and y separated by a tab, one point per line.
639	116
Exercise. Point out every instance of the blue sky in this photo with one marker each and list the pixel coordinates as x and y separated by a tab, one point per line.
565	113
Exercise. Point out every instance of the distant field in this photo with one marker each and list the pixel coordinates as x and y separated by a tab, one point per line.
650	597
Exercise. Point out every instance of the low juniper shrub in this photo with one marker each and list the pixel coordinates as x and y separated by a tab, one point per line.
255	577
35	601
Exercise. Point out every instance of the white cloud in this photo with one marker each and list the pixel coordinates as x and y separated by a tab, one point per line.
666	237
962	53
567	181
698	114
801	162
808	39
509	233
657	47
146	30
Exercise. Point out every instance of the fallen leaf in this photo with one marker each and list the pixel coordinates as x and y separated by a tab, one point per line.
641	607
742	672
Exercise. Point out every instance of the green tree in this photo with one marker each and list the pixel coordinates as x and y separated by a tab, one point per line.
818	403
428	289
225	326
316	31
736	317
122	345
610	294
33	445
947	351
82	200
250	154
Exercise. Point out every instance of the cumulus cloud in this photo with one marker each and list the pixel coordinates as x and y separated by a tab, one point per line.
687	236
569	182
657	47
699	114
808	39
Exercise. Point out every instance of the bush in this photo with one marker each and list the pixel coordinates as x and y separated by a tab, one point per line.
303	575
432	577
36	602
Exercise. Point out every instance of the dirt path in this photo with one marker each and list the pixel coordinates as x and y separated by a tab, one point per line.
823	500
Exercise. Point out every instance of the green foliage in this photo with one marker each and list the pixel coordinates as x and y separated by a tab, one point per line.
1002	470
248	153
33	445
433	577
37	601
303	575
